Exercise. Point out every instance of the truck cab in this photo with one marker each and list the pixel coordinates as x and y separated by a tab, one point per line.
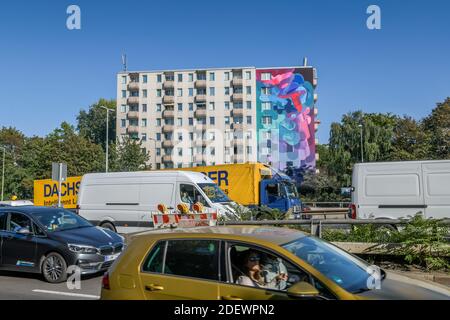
279	192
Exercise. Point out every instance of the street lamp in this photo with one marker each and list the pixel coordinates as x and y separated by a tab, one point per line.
107	137
3	170
362	156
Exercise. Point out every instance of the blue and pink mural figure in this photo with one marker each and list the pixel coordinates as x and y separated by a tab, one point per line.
285	114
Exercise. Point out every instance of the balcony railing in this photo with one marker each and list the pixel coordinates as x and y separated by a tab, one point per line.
168	99
133	86
133	129
236	82
167	144
133	114
168	84
237	126
167	128
168	114
200	98
237	112
200	113
200	83
237	97
133	100
167	158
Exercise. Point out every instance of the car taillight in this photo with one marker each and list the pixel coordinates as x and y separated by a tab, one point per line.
105	281
352	211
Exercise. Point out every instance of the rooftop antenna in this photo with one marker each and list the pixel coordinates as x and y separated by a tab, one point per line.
124	62
305	61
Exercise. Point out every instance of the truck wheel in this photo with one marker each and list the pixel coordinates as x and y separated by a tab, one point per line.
109	226
54	268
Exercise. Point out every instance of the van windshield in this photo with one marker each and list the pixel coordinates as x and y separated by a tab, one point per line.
213	192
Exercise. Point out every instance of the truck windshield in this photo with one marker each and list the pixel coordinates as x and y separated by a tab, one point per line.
214	193
291	190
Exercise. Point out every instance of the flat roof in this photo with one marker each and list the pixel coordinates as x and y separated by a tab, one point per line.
206	69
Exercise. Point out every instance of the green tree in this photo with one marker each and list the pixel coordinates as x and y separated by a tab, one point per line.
437	124
91	124
410	140
129	156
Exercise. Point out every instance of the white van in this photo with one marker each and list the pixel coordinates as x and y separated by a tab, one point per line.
124	201
394	190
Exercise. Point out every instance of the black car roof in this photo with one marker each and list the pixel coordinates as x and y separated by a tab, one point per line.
29	209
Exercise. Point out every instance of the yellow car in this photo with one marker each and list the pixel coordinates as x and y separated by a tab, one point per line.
249	262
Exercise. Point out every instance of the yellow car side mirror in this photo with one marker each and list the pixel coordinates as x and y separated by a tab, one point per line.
302	289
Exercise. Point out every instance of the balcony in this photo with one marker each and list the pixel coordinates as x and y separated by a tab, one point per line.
236	82
237	126
133	100
167	144
237	112
200	98
167	158
167	128
168	85
133	114
133	86
133	129
237	97
168	114
200	113
168	100
200	84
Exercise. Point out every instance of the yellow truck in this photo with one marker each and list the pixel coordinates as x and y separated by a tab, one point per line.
254	184
46	192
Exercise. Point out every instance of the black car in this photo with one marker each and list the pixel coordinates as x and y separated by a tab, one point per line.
50	240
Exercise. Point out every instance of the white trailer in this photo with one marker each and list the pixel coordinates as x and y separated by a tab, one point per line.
394	190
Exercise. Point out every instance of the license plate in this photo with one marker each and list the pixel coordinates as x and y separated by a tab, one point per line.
111	257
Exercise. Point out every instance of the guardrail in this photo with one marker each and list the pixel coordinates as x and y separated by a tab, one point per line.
316	224
325	204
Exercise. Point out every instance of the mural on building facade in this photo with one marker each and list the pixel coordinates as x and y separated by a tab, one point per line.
285	115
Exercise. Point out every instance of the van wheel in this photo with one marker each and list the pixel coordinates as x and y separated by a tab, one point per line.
54	268
109	226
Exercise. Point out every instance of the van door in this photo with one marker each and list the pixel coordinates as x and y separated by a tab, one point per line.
436	181
152	194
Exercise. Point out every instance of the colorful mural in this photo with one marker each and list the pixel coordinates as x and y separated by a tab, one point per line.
285	117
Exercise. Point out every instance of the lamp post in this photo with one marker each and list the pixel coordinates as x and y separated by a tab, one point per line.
3	170
361	135
107	136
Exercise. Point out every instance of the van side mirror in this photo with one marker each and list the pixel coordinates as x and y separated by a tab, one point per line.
302	290
24	231
347	192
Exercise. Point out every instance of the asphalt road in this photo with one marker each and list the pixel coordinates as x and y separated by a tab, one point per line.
22	286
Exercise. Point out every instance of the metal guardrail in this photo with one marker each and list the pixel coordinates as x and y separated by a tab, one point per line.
325	204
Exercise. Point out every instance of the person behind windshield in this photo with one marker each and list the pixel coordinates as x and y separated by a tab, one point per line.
185	197
254	275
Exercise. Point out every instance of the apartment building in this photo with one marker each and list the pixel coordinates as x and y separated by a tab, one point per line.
188	118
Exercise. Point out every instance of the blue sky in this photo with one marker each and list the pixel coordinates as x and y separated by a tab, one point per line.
49	73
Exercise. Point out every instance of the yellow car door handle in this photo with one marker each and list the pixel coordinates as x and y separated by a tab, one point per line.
154	287
230	298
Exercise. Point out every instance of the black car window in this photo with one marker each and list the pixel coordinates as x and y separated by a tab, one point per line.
154	261
3	216
193	258
18	221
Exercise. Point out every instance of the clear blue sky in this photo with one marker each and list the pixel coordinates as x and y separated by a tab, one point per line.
49	73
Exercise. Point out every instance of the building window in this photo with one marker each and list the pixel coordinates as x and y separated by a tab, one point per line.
267	120
144	93
191	92
191	121
265	76
180	107
212	136
249	104
191	77
265	91
144	122
158	92
179	121
124	93
123	123
227	76
248	89
180	152
249	120
227	105
266	106
158	107
158	136
144	78
212	91
212	151
180	136
212	76
144	108
123	108
238	120
144	137
249	150
191	106
248	135
212	120
158	151
227	91
212	106
158	122
158	78
180	77
124	79
248	75
227	120
179	92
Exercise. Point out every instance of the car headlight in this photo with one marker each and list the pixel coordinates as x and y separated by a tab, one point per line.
79	248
